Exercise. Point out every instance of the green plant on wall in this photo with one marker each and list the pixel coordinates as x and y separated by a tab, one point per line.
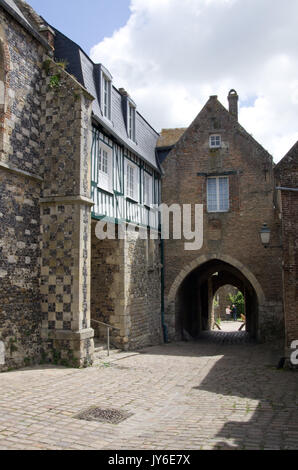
55	81
238	300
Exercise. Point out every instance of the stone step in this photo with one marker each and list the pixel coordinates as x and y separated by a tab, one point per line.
101	354
100	349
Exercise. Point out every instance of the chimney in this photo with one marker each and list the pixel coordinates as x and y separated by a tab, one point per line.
233	103
48	33
123	92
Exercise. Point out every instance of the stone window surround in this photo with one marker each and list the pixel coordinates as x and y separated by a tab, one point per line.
215	141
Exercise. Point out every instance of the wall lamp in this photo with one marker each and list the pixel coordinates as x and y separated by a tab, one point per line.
265	234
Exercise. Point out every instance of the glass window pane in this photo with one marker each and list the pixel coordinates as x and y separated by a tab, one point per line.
211	195
130	181
223	194
99	159
106	98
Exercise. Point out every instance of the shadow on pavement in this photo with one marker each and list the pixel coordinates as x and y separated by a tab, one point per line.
273	422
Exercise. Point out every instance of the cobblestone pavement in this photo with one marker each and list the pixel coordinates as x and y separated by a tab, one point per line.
230	325
202	395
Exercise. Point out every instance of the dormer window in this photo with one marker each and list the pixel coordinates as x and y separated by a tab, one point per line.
106	96
215	141
129	114
131	122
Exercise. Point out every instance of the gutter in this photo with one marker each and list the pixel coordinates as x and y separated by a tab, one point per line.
25	25
281	188
164	326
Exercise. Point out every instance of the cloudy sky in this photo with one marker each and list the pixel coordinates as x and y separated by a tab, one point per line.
171	55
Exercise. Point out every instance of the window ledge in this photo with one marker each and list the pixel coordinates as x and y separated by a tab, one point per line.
109	191
130	199
218	212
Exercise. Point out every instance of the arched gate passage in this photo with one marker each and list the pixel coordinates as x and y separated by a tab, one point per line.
194	297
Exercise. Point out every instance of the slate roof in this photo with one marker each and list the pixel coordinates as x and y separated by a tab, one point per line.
169	137
290	159
85	71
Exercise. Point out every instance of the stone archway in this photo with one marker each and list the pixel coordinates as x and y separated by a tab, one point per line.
192	276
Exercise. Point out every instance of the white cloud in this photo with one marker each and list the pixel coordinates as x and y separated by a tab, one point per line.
172	54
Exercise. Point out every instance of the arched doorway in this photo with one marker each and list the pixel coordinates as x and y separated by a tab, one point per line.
193	296
224	297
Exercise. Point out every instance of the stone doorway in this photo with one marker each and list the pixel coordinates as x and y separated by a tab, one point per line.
194	303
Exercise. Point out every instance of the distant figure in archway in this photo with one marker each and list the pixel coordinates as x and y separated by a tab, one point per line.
228	310
234	312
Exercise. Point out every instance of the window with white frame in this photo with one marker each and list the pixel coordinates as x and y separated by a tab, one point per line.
104	159
132	180
218	194
131	122
106	96
147	189
215	141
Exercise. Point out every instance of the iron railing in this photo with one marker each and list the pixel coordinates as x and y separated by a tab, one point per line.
108	327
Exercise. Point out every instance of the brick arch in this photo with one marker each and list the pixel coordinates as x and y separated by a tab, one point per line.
225	258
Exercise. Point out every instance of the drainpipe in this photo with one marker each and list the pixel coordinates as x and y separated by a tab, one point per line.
164	326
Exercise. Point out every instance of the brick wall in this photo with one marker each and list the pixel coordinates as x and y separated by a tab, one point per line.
21	59
107	286
287	177
66	218
125	290
142	290
45	207
19	269
23	66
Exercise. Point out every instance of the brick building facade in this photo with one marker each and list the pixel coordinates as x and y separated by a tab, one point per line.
286	173
215	162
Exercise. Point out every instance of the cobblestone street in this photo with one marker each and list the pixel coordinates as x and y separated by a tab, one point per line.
204	395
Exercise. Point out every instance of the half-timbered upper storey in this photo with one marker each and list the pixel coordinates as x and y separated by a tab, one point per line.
125	171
